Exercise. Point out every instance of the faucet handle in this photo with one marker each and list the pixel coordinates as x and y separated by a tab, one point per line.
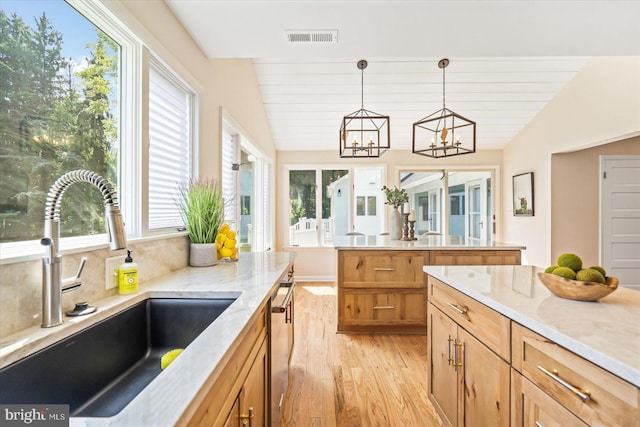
72	283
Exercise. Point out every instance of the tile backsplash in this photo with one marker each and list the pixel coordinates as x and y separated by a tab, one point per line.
21	283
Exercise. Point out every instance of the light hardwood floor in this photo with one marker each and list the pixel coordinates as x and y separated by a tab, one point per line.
353	379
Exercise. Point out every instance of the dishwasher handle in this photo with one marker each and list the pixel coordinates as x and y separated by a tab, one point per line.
283	307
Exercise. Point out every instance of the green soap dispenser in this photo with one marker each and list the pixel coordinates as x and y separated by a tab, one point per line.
128	275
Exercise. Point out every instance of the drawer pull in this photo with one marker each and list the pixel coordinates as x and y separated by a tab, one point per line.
449	358
456	364
384	307
585	395
539	424
462	310
384	269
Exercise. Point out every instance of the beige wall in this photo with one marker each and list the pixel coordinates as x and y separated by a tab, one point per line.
599	105
575	201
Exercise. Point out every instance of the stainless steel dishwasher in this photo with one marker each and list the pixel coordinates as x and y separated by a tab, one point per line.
281	336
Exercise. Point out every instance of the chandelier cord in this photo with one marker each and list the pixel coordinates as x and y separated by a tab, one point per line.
443	104
362	88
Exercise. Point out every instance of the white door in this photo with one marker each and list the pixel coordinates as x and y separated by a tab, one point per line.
620	218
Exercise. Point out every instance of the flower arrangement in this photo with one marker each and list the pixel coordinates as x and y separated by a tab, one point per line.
395	197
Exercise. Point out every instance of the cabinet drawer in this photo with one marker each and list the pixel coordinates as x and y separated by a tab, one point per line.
361	309
475	257
532	407
593	394
391	269
486	324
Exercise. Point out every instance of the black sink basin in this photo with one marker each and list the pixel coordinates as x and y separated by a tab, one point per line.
100	369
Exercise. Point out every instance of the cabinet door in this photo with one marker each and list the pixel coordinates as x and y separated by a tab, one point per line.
532	407
443	390
253	397
485	388
234	416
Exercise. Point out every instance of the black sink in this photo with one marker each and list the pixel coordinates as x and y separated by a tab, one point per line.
100	369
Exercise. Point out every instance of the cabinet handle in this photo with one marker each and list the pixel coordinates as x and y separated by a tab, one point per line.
456	344
449	358
247	418
384	269
585	395
462	310
539	424
384	307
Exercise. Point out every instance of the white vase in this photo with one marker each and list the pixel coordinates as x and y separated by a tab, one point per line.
202	254
395	225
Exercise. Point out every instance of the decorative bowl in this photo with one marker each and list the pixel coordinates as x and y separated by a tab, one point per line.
577	290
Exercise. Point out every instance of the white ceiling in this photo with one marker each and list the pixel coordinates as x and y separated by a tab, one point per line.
508	58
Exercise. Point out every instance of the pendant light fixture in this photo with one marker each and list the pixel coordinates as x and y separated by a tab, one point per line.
364	133
444	133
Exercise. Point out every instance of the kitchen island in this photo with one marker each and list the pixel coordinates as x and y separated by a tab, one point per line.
552	361
381	285
177	395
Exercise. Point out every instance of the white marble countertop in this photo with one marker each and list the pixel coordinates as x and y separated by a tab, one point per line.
422	243
252	280
606	332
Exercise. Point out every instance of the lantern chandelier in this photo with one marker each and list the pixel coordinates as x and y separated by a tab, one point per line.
364	133
444	133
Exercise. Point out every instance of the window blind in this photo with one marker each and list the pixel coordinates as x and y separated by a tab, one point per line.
229	177
170	134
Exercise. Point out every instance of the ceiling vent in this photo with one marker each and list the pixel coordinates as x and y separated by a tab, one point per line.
312	37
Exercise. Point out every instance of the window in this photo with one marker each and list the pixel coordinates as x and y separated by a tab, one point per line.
366	205
170	142
74	102
60	110
468	207
246	188
324	202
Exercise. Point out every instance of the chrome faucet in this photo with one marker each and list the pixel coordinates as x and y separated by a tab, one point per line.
52	283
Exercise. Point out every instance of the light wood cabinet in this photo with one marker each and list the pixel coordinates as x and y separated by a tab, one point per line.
531	407
474	257
468	383
385	290
381	291
590	393
239	383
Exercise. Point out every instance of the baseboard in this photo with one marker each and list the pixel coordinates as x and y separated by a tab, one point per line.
315	278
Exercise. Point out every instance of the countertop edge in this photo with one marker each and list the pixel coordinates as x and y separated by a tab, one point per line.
603	361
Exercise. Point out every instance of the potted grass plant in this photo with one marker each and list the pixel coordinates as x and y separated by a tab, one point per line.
202	208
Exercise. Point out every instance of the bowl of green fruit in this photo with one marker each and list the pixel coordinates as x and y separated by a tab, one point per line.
568	279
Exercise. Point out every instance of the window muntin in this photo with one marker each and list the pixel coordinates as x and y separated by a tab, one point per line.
60	111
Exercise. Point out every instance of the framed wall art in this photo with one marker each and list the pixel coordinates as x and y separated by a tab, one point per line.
523	194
